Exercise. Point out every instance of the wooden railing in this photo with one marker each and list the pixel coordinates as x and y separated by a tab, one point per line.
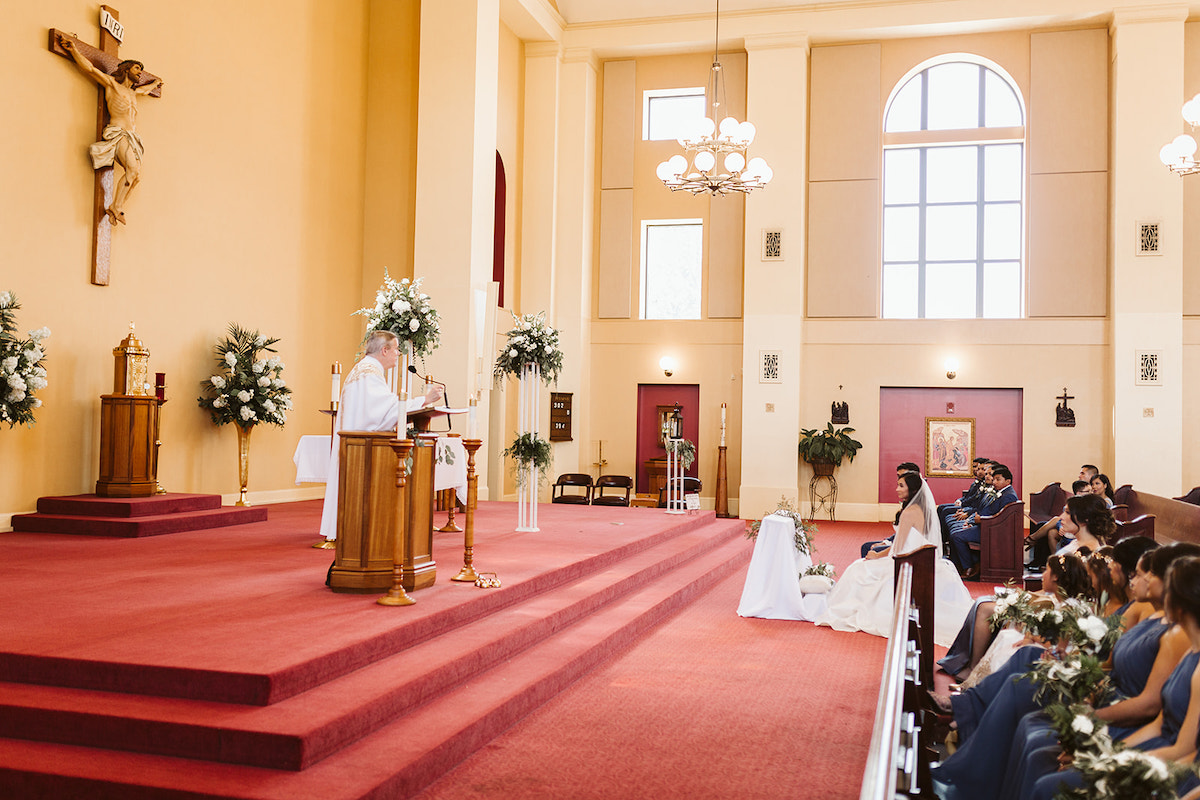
898	761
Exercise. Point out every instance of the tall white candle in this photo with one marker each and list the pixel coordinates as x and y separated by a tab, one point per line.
335	388
473	421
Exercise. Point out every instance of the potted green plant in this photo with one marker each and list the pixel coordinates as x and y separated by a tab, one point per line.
826	449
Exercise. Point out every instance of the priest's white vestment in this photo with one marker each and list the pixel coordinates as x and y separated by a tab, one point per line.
367	404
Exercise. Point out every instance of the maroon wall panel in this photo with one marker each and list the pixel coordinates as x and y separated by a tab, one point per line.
650	397
902	413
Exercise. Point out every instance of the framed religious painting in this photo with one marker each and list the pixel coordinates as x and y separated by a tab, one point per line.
949	447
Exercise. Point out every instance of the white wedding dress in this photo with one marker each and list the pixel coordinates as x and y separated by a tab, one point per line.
862	598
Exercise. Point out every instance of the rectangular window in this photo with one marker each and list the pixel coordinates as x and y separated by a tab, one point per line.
672	258
670	113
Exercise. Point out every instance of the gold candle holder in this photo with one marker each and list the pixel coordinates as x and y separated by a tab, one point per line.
468	573
396	596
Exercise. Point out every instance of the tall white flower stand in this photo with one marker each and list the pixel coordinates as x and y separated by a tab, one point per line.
528	421
675	503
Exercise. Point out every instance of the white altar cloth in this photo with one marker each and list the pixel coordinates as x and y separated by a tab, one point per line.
772	589
311	459
449	472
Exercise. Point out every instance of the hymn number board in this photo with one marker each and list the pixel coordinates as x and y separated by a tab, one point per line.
560	416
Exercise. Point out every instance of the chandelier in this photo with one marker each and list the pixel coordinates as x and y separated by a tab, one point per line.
716	154
1179	155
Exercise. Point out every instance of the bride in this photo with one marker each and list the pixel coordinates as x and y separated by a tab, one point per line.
862	599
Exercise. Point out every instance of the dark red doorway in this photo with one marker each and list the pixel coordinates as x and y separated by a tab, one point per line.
651	397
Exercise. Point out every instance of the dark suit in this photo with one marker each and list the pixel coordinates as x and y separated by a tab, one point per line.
960	539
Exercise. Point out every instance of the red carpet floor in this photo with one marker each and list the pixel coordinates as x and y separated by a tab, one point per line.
709	705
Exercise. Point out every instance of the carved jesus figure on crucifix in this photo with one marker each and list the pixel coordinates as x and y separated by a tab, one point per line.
120	143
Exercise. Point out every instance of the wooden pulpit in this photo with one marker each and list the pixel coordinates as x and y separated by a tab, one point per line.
128	426
367	514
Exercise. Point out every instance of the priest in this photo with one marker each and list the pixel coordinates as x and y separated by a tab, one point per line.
367	404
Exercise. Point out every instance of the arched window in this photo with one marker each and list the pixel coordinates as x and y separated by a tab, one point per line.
953	190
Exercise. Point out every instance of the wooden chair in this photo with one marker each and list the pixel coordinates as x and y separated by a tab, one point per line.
1120	512
1002	544
573	479
1047	503
1138	526
690	486
618	482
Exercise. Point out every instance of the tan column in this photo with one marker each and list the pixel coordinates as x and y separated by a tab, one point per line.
777	104
539	179
1147	291
571	282
456	180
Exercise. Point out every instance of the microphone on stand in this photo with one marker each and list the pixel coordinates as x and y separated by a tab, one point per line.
445	394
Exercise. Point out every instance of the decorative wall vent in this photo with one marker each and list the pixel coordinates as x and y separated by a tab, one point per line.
769	366
1148	373
1149	240
772	244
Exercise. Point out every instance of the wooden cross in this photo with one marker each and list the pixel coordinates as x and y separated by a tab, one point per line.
1065	397
105	59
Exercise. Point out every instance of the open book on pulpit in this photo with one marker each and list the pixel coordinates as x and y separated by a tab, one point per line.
423	418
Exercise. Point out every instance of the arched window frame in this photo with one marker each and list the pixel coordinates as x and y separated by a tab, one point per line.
985	140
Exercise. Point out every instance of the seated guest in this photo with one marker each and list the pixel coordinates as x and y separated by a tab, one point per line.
1088	471
1046	539
961	538
1102	486
902	469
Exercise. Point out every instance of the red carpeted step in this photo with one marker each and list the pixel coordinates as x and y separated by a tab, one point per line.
137	526
90	505
296	733
242	674
400	757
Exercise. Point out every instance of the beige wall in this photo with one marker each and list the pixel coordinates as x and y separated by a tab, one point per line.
250	210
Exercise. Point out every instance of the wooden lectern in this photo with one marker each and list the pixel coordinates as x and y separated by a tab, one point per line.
367	514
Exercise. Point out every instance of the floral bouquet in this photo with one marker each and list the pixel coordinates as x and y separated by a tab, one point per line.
402	308
804	529
21	366
1113	772
1076	678
1078	727
526	449
246	389
531	341
1086	630
684	450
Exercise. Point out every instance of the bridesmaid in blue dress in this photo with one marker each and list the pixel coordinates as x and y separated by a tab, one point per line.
1173	733
978	768
1034	748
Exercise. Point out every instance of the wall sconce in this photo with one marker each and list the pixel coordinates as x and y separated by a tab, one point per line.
668	365
951	368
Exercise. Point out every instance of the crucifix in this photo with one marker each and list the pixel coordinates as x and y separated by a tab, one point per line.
120	84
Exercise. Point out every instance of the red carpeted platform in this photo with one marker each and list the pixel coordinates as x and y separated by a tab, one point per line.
132	517
202	665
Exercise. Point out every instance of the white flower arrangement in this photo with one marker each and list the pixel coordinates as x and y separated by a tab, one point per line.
400	307
247	389
22	368
531	341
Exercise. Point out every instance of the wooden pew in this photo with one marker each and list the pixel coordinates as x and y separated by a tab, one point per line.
901	741
1001	544
1174	520
1046	504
